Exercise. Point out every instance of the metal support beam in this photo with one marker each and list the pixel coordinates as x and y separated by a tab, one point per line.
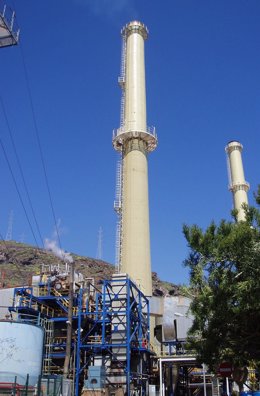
9	32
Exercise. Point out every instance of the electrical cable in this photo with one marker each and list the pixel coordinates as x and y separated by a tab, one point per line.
20	168
39	145
18	191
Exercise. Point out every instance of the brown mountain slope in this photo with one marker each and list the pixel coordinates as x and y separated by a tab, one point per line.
18	262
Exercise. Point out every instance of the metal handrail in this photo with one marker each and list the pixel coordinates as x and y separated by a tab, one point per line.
9	20
149	129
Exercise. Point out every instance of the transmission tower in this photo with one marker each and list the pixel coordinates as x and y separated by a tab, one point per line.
9	232
9	32
9	35
99	255
22	237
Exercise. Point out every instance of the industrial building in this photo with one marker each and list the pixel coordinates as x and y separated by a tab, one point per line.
65	335
110	349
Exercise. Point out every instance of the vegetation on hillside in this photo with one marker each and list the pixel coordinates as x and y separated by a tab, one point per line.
18	262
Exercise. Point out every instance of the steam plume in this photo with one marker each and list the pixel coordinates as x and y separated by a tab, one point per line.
52	246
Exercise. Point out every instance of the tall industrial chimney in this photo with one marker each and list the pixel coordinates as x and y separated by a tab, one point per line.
237	184
134	140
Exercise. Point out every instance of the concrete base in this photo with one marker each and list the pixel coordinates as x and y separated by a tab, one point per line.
96	392
117	392
103	392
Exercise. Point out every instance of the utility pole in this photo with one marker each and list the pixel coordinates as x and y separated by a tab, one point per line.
69	322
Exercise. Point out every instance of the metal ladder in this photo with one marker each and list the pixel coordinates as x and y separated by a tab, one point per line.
118	209
49	335
64	301
118	199
119	171
118	245
121	81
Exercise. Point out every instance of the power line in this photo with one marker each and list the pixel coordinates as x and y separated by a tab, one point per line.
39	144
21	170
18	191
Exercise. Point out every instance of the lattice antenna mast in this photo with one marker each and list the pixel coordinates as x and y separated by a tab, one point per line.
9	32
9	232
22	237
99	255
119	170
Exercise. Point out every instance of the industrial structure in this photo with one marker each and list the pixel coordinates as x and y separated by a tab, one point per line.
9	32
134	140
110	333
237	184
110	350
64	334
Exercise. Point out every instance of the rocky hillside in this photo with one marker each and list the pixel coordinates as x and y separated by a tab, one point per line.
18	262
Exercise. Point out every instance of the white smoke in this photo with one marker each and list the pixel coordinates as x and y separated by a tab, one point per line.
52	246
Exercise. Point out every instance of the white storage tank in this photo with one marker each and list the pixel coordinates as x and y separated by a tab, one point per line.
20	352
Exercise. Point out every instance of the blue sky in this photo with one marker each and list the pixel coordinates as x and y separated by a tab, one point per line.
203	90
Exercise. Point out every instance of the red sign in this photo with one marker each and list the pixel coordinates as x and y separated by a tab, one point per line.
225	369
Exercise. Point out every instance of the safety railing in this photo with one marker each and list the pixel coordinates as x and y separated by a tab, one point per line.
10	31
150	130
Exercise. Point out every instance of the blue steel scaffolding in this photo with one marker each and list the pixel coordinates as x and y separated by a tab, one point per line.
119	335
110	329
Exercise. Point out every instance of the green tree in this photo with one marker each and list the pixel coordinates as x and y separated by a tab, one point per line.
224	263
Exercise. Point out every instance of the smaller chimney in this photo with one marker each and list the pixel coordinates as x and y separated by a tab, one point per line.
237	184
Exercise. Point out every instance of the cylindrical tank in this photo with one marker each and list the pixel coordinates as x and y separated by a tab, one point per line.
20	352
